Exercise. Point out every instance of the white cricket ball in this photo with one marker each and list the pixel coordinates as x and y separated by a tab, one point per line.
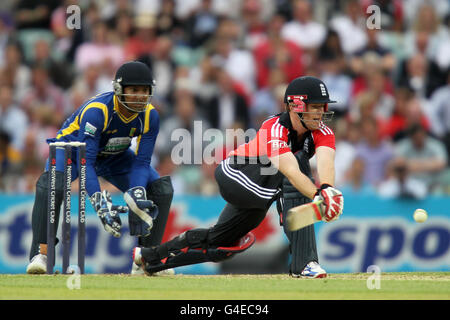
420	215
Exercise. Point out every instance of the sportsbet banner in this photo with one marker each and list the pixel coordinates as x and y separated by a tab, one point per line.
372	231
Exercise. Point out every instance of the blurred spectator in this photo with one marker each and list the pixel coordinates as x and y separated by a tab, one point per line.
388	60
407	111
338	83
372	64
162	66
4	158
371	103
6	29
303	30
58	24
203	79
60	72
34	14
374	152
425	157
231	29
99	51
384	104
355	183
351	25
347	137
420	74
268	100
14	72
331	47
144	39
89	17
202	24
167	22
228	106
124	28
148	7
442	57
85	86
13	120
239	63
440	111
277	53
181	124
44	99
11	165
412	7
254	26
427	22
392	13
400	184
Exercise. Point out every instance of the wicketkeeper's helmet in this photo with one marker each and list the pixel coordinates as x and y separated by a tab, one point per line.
133	73
304	90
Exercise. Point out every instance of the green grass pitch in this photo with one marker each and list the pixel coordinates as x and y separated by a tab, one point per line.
393	286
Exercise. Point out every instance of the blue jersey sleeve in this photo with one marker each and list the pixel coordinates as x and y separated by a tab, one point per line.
140	170
92	122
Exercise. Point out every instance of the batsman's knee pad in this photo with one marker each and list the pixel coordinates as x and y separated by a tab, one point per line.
195	238
197	254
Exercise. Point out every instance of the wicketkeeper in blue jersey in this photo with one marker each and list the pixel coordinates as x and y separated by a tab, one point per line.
107	123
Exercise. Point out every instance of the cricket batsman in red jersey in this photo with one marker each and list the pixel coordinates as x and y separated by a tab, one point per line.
273	166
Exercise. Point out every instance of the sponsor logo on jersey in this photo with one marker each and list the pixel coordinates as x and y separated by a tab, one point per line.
278	144
117	145
90	129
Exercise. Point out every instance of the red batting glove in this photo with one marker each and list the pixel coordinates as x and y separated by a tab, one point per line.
332	202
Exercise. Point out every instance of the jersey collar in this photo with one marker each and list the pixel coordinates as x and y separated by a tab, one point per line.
121	116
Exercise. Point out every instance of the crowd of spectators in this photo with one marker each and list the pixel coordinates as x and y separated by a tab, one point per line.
227	63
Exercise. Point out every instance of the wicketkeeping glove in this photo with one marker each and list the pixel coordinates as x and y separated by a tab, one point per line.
332	202
141	211
107	212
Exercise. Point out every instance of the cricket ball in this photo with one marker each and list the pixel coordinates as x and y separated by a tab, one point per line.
420	215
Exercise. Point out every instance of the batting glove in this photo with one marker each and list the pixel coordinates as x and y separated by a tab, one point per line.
332	202
141	211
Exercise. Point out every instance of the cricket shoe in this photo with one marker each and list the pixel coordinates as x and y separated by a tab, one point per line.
38	264
138	262
313	270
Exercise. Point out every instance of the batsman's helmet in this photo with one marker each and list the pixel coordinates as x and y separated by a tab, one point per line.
133	73
304	90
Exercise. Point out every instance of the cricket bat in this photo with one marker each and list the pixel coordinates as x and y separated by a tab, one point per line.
304	215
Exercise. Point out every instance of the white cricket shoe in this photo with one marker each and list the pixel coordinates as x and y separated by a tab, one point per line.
136	268
38	264
313	270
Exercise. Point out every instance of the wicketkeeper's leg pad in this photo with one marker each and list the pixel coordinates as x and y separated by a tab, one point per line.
173	254
161	193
